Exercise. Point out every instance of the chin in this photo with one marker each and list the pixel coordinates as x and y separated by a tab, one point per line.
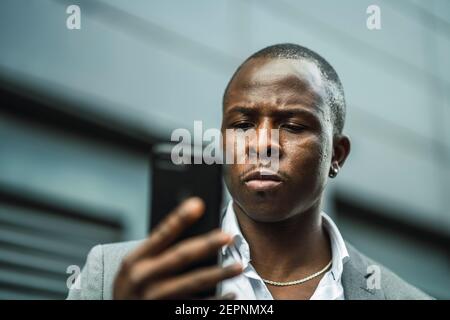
264	210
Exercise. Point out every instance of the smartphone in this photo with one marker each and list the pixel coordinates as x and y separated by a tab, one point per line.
172	183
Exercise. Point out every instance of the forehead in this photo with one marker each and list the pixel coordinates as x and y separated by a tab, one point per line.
277	81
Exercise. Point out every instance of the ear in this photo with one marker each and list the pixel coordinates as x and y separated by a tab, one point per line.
341	150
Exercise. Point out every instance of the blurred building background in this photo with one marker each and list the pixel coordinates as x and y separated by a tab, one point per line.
80	110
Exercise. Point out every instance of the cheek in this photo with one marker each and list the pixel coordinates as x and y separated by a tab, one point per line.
309	157
232	172
229	149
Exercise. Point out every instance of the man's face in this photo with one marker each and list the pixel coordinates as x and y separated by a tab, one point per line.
288	95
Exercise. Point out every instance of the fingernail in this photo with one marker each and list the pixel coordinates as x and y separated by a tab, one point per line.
223	237
229	296
194	204
235	267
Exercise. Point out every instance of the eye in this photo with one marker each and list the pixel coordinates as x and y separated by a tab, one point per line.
293	127
244	125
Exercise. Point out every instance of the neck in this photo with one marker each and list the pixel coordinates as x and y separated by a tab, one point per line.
283	250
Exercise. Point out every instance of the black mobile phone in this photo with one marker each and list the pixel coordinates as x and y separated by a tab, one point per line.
172	183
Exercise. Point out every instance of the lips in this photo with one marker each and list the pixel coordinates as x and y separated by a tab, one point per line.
262	180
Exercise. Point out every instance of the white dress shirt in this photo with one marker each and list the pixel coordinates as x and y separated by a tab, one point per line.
249	285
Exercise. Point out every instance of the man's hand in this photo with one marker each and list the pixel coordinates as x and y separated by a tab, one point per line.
150	271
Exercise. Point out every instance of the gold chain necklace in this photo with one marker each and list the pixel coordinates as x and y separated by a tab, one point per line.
291	283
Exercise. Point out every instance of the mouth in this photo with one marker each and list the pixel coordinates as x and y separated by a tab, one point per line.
262	180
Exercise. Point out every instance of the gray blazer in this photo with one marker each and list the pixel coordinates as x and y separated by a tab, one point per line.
96	279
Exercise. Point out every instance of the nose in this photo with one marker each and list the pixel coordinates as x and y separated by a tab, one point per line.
266	143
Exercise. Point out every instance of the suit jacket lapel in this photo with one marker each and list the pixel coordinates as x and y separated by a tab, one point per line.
355	276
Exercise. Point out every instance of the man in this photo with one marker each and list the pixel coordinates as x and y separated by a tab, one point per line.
276	243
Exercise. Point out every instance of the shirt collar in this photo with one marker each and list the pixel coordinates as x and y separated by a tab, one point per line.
230	226
339	250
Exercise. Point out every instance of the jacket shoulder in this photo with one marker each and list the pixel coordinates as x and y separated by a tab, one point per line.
380	277
97	277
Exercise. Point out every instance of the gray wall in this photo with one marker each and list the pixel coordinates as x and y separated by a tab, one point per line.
154	66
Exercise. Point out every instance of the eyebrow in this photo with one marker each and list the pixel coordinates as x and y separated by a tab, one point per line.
242	109
289	110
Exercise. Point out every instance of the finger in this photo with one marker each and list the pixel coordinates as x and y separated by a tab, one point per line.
228	296
192	282
179	257
169	229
